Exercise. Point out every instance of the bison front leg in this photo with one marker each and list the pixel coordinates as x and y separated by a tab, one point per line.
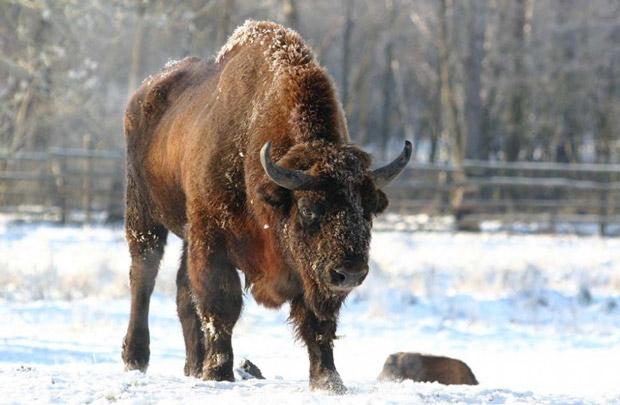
217	295
190	322
319	336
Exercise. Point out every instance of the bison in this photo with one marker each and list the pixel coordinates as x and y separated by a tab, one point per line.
247	158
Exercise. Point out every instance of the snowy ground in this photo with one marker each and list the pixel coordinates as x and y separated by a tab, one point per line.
536	317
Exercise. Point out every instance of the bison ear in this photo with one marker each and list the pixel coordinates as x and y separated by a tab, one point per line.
274	195
381	202
374	200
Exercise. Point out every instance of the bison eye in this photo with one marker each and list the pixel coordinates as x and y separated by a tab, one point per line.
308	213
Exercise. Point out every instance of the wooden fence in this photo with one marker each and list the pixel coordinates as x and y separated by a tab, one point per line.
83	185
546	193
63	185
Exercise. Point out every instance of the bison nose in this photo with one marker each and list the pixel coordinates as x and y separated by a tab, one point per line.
343	278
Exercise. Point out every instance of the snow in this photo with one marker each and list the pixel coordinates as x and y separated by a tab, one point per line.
536	317
284	48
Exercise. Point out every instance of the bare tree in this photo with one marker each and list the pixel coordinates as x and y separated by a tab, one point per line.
452	128
473	84
477	79
291	13
224	26
346	51
387	80
517	121
137	44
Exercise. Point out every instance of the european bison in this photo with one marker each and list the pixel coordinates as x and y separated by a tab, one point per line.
247	159
425	368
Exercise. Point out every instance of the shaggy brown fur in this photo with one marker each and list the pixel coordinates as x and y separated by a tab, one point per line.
424	368
193	135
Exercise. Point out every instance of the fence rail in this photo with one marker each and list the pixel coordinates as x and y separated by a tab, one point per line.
509	192
81	184
64	185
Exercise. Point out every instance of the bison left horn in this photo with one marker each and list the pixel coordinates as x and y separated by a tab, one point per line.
384	175
283	177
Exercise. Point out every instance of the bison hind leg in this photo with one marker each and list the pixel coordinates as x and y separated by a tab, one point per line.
146	239
190	322
146	253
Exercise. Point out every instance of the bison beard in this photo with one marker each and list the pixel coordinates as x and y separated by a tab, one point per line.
247	159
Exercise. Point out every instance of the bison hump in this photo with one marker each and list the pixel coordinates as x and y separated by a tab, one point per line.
151	100
283	47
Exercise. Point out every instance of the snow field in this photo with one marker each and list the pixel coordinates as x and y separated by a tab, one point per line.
535	317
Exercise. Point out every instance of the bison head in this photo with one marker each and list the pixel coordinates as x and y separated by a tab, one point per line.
324	197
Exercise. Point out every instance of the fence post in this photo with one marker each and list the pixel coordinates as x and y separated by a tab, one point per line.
602	217
4	166
116	202
58	174
87	178
445	180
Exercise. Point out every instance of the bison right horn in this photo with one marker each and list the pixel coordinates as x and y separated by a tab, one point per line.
283	177
384	175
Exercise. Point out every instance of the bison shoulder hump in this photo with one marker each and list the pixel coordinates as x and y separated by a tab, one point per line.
149	102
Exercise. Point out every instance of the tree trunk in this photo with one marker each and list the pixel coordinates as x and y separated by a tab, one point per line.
387	99
346	52
473	87
387	81
449	106
224	28
449	111
605	127
435	114
517	128
136	47
291	14
361	89
31	125
404	110
567	84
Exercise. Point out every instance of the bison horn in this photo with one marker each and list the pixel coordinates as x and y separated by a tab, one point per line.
384	175
287	178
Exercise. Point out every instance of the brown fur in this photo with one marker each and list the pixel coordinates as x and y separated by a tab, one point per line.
424	368
193	135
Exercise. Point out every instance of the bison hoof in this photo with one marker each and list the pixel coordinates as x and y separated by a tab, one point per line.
192	370
218	367
218	374
136	365
135	356
328	381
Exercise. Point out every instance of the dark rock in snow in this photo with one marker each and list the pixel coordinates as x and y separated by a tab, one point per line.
611	305
248	370
425	368
585	296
